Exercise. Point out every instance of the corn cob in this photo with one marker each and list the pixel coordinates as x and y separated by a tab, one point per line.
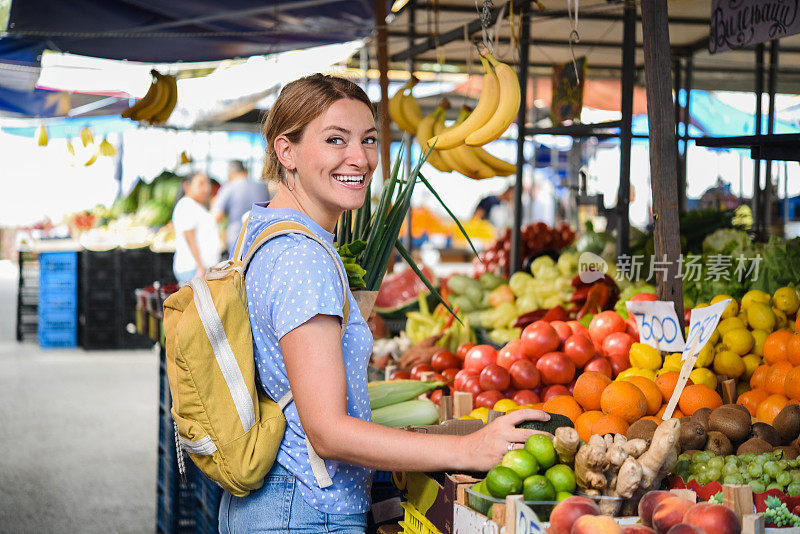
383	394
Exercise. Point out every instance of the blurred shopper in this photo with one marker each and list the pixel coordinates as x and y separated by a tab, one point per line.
197	242
497	209
235	199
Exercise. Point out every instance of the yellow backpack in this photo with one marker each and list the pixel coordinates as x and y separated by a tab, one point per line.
229	427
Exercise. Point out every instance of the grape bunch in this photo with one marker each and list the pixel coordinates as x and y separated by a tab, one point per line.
778	513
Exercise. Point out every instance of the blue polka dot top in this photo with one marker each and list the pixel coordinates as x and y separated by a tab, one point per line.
290	280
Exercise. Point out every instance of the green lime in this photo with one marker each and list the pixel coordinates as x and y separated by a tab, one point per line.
541	447
562	478
481	488
561	495
502	481
538	488
522	462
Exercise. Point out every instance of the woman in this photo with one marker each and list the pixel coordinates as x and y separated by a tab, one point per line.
321	146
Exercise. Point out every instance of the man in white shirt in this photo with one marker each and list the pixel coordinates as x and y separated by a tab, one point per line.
197	240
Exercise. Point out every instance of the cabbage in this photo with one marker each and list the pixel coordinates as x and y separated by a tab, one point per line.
726	241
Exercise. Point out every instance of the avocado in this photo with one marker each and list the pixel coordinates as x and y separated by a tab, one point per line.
556	421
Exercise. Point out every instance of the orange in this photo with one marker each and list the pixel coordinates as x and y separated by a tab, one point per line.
537	406
666	383
677	414
793	350
791	385
776	377
610	424
588	388
770	407
776	346
625	400
585	421
751	399
653	418
759	377
650	390
698	396
564	405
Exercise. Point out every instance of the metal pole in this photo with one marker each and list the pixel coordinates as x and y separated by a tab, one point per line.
757	212
628	66
524	45
408	138
772	81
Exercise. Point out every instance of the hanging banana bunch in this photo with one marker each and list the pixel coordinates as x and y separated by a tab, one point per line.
86	136
70	153
107	149
41	135
403	108
157	105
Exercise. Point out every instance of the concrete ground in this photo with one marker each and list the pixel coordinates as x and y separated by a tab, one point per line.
78	434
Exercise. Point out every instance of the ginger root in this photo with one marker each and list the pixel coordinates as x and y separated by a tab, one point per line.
590	461
635	447
660	453
566	444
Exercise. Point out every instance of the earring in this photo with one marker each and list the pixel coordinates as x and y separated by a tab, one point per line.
294	180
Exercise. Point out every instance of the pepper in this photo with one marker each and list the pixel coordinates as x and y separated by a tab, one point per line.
595	300
556	314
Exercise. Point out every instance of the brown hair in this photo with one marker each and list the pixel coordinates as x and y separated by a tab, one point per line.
299	103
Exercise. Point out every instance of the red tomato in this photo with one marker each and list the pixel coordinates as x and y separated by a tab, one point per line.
436	396
687	317
487	399
418	369
539	338
619	363
444	360
494	377
603	324
580	349
556	368
514	350
552	391
437	377
632	329
526	396
562	328
578	328
601	365
450	374
509	393
617	344
400	375
644	297
472	386
463	349
479	357
524	374
461	377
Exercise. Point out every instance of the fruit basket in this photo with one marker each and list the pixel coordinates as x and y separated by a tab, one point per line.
483	503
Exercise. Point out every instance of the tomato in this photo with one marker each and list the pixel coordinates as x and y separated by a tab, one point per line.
487	399
526	396
577	328
494	377
514	350
603	324
524	374
632	329
444	360
644	297
580	349
472	386
617	344
450	374
437	377
552	391
619	363
418	369
400	375
539	338
601	365
479	357
436	396
509	393
562	328
462	376
556	368
463	349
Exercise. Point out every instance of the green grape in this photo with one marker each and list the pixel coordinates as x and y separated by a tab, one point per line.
716	462
700	468
730	469
733	479
765	479
771	468
793	490
783	464
793	463
783	478
758	487
700	457
731	458
684	457
795	475
755	470
774	485
761	459
714	473
747	458
703	478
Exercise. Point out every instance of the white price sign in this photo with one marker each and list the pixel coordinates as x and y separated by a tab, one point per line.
527	522
658	324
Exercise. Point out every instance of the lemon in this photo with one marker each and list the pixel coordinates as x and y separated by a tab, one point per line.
673	362
636	371
665	370
705	357
729	363
754	296
759	336
739	340
751	363
715	335
781	321
731	310
761	317
705	377
786	300
731	323
701	305
481	413
504	405
645	356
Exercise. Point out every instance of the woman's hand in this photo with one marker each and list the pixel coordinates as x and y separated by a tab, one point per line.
422	352
485	448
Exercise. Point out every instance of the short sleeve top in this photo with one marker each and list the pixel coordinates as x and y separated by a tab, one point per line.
290	280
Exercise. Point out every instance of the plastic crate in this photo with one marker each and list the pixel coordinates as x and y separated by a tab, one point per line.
57	338
382	476
58	301
415	522
207	493
206	522
57	320
95	261
58	262
174	505
58	281
99	296
99	277
99	338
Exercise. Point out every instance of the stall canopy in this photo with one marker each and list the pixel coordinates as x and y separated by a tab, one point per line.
179	30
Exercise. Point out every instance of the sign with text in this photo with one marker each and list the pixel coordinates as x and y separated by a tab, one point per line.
740	23
527	522
658	324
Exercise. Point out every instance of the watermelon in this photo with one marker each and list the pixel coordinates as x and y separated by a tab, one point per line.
399	292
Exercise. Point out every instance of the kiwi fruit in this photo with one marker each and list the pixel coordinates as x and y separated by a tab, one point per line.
701	416
790	452
642	429
736	407
732	422
766	432
755	446
787	423
685	419
719	444
692	436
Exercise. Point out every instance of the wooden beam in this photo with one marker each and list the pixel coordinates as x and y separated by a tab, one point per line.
663	157
383	105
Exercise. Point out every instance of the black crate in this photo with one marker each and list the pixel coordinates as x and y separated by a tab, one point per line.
175	496
97	261
134	341
136	258
99	338
98	318
207	495
99	296
99	277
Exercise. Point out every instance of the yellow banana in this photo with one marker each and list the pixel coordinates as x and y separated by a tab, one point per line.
185	158
107	149
501	167
424	132
92	158
411	111
148	112
145	101
461	158
86	136
170	100
70	153
487	104
507	107
41	135
396	108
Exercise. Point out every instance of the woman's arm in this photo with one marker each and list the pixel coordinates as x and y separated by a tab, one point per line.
313	357
191	240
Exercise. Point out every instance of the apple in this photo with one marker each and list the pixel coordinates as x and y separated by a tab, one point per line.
713	518
567	512
595	524
670	512
648	503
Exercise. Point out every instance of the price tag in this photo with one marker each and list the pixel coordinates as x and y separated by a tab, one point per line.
527	522
658	325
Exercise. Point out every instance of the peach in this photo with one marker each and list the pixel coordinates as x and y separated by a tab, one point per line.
685	528
595	524
670	512
637	529
713	518
648	503
568	511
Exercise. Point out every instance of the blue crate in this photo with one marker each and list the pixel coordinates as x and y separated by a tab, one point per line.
382	476
207	493
57	320
58	338
205	522
58	281
58	301
58	262
175	497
